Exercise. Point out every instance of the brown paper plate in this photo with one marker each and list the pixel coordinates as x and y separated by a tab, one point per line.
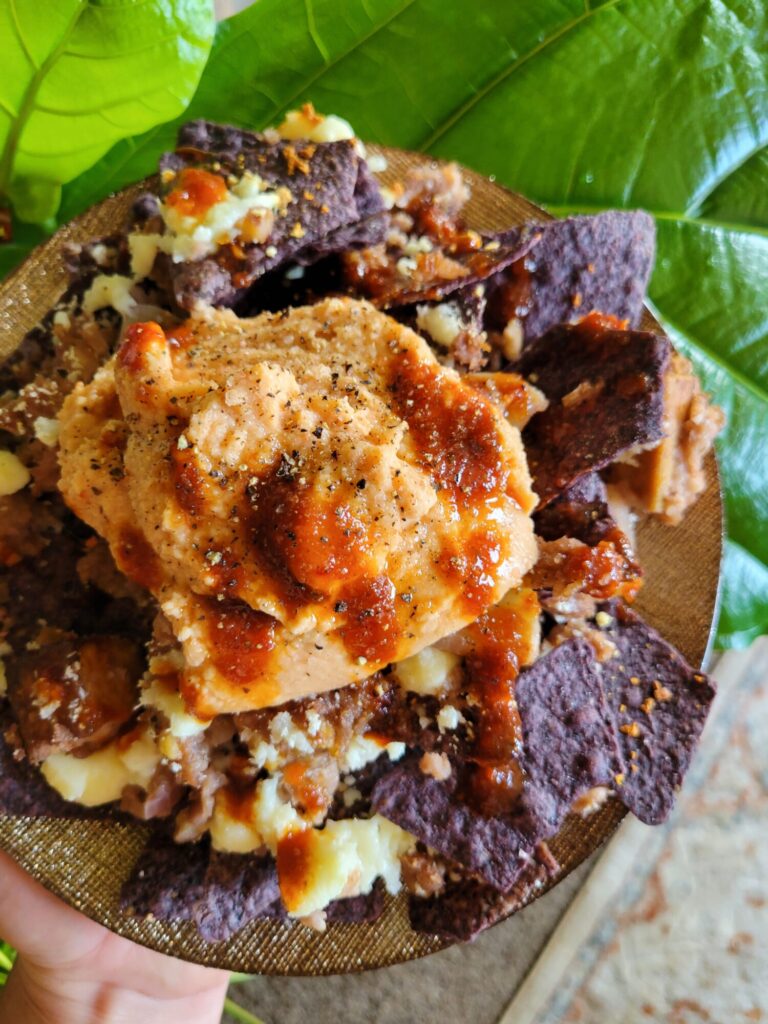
86	862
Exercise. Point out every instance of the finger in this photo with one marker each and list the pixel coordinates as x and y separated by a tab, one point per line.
37	923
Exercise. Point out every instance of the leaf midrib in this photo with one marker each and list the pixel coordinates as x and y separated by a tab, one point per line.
30	94
506	72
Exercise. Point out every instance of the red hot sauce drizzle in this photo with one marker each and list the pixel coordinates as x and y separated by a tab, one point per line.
372	629
294	864
241	640
195	192
136	557
454	429
500	639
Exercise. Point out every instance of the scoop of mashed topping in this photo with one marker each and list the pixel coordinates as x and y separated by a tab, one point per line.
309	494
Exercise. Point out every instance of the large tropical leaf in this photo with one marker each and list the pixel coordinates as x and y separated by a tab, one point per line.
581	105
78	75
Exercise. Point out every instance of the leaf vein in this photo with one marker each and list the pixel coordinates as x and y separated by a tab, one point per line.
508	71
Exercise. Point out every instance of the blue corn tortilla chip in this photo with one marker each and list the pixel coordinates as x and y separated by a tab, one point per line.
606	398
659	706
467	906
357	909
166	880
568	748
581	511
493	848
569	744
236	889
332	190
219	892
580	264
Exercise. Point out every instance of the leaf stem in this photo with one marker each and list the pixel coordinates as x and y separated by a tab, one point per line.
28	102
239	1014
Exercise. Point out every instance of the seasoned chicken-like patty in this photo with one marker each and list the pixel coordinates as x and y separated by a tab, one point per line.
310	495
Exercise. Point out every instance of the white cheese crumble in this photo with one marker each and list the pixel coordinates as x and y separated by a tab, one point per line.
406	265
449	718
427	672
46	431
377	163
442	323
362	751
346	857
308	124
14	475
101	777
417	244
110	290
282	730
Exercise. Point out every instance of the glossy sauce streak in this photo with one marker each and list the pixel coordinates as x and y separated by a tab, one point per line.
306	543
237	802
294	862
240	640
499	644
513	300
188	482
137	341
472	567
196	192
454	430
301	780
135	556
372	629
606	570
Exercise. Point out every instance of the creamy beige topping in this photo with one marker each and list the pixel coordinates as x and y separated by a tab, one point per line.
310	495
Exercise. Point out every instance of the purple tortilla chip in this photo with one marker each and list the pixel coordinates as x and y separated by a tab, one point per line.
606	393
357	909
580	264
568	748
350	236
331	187
568	738
581	511
665	706
467	907
236	890
167	879
492	847
219	892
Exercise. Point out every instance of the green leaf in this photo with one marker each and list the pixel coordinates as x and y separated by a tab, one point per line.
7	956
78	75
25	238
580	105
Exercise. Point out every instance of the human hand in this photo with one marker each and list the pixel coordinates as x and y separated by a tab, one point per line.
71	970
